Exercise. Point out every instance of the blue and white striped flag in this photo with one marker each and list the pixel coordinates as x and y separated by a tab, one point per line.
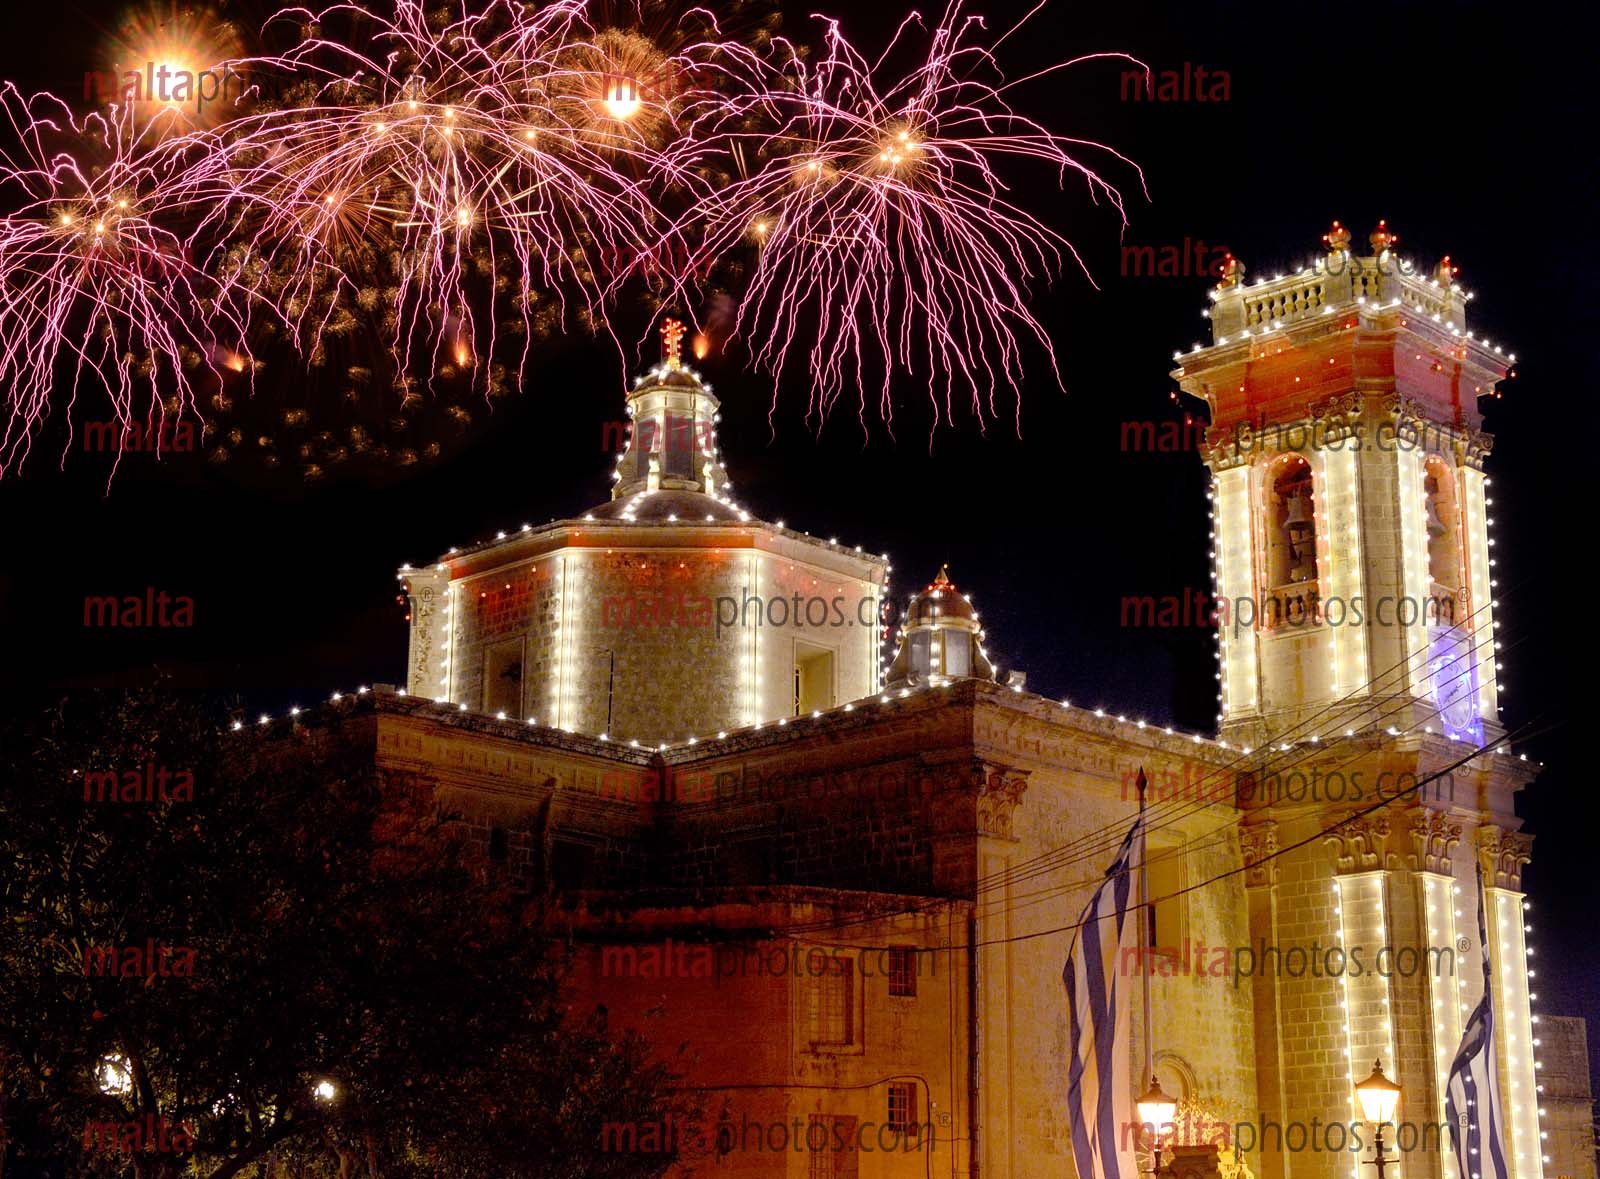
1472	1094
1098	1088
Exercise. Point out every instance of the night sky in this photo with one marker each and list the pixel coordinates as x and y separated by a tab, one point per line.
1460	124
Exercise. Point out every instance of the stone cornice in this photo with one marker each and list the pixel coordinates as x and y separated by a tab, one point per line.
579	535
746	910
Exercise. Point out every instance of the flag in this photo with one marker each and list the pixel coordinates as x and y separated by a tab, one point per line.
1097	1075
1472	1094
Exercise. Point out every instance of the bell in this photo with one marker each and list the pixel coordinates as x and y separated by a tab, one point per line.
1298	518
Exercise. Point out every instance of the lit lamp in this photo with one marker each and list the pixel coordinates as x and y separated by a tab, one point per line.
1156	1109
1379	1097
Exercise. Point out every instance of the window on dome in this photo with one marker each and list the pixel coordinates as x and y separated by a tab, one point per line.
641	441
677	454
813	679
502	678
919	652
957	653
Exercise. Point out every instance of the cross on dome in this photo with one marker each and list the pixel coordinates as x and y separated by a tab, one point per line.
672	342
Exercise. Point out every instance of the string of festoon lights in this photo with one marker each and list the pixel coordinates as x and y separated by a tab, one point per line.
1533	1020
1138	724
1512	929
882	698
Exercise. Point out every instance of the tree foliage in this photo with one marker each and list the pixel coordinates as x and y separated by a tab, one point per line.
340	933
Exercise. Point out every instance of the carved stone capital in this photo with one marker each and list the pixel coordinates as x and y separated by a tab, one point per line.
976	798
999	795
1434	838
1336	418
1348	404
1224	451
1359	842
1259	843
1502	855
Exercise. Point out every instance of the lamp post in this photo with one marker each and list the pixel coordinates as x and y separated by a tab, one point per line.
1156	1109
1379	1097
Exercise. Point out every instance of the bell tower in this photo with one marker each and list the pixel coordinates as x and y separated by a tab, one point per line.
1349	506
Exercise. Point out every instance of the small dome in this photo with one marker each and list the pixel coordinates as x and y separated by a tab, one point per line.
940	639
939	600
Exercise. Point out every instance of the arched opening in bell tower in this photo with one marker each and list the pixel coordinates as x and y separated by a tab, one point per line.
1443	525
1291	541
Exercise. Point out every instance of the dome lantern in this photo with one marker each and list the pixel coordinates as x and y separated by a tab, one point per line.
940	638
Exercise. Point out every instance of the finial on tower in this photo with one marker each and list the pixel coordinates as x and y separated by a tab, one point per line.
1382	240
1446	273
1337	239
672	342
1232	272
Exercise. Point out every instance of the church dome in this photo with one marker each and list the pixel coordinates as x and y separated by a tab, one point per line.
669	507
940	638
667	613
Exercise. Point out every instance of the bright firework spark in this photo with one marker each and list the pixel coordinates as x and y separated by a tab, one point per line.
90	282
883	226
159	60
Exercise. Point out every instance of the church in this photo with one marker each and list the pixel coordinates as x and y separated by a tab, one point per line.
832	864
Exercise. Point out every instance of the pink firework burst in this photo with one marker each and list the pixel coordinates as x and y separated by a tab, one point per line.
429	171
93	291
884	228
483	141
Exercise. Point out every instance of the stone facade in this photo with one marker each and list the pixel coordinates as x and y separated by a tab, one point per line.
927	822
641	632
699	804
1568	1097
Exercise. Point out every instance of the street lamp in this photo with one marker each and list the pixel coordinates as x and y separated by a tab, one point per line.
1156	1109
1379	1097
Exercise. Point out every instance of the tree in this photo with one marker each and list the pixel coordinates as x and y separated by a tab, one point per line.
291	965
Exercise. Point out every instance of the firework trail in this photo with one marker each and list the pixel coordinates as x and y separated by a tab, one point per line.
482	142
90	281
884	229
428	173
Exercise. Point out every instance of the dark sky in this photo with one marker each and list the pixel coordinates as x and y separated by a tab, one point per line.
1461	124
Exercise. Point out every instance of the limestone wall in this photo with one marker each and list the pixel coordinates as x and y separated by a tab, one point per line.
651	644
